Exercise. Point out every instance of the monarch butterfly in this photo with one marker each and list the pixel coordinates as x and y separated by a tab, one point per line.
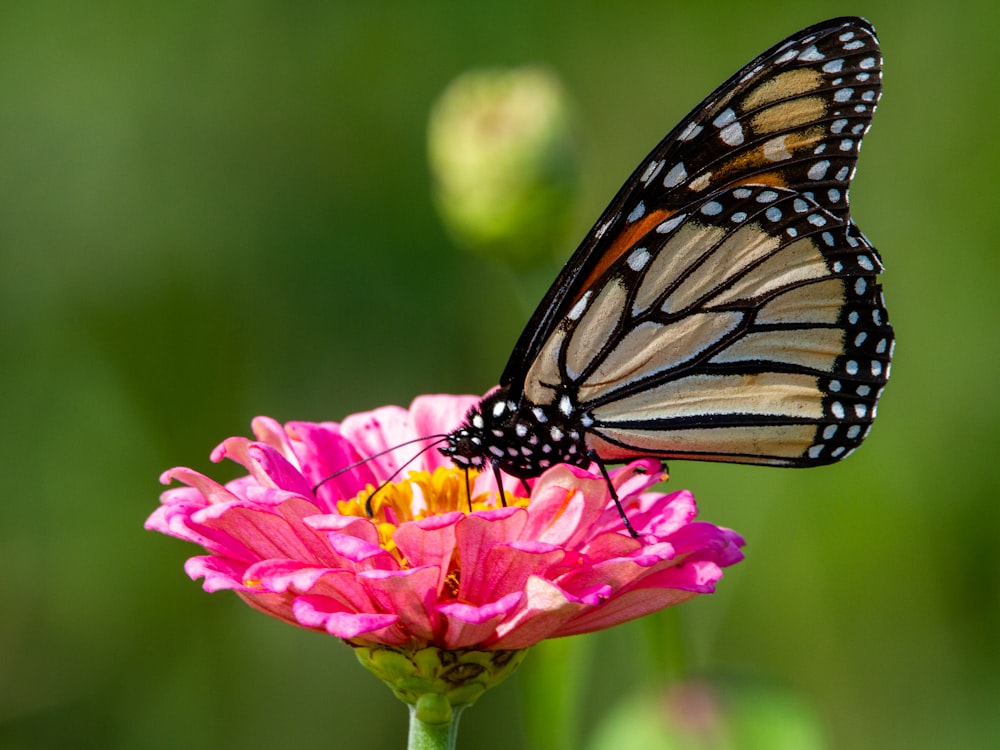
725	305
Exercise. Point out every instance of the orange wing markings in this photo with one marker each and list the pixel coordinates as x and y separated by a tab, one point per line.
622	244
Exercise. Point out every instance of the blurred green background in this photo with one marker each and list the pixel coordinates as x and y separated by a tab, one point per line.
210	211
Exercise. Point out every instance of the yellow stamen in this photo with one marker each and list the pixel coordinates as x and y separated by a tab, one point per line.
421	495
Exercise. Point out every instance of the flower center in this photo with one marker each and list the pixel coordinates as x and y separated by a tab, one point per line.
422	495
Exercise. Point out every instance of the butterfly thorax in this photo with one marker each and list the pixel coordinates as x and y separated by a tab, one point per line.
522	438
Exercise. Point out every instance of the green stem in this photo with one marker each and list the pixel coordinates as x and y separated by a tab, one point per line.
430	728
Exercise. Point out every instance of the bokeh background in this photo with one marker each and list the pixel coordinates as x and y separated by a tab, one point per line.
210	211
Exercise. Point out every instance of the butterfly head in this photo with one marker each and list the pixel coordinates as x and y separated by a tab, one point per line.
520	438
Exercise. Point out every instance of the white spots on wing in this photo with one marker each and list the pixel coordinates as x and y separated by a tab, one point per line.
880	348
499	408
835	386
818	170
675	176
773	213
842	174
790	55
816	220
739	216
866	263
834	66
853	431
816	450
829	431
637	213
868	63
861	410
725	119
852	367
860	108
800	206
843	95
829	242
833	195
768	196
638	259
837	126
652	170
846	145
521	429
860	286
477	421
868	96
732	135
599	232
820	148
846	36
876	368
690	131
811	54
670	224
792	232
776	150
853	318
556	434
712	208
742	193
580	306
837	409
856	44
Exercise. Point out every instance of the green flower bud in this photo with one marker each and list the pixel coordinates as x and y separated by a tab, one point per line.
504	162
435	681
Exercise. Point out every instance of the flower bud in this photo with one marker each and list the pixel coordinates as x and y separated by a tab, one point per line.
504	162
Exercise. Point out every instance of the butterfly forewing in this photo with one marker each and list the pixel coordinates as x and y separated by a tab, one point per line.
791	118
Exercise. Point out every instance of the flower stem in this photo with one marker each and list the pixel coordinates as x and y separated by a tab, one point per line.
433	726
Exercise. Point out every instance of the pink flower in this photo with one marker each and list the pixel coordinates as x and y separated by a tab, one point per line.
426	569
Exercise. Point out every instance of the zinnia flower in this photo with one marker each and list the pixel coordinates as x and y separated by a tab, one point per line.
430	567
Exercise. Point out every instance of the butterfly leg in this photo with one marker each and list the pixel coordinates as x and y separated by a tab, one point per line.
468	489
592	455
526	486
496	473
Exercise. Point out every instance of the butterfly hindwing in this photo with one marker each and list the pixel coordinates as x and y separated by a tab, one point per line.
791	118
749	328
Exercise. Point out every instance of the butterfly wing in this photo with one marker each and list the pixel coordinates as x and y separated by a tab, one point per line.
791	118
748	328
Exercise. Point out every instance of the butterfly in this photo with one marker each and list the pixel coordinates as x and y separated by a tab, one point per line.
725	306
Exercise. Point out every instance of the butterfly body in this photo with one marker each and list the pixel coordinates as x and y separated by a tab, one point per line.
725	307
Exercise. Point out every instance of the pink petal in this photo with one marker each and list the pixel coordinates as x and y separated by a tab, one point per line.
321	612
411	594
467	625
544	610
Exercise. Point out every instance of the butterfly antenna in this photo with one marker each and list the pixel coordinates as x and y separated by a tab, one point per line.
440	439
436	438
614	494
